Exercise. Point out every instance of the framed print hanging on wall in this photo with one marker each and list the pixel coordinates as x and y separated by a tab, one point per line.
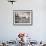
22	17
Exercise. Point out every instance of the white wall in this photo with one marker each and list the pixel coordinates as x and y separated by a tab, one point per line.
38	30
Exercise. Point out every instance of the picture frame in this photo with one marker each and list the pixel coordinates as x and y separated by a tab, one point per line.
22	17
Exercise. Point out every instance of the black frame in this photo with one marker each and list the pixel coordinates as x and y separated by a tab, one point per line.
25	23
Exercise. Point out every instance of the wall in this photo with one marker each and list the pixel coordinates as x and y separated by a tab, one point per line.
37	31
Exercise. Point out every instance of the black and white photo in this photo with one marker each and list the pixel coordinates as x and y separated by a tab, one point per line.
22	16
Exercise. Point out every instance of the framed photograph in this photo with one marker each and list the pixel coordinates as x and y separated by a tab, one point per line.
22	17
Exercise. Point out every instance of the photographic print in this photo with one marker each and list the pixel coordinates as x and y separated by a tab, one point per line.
22	17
